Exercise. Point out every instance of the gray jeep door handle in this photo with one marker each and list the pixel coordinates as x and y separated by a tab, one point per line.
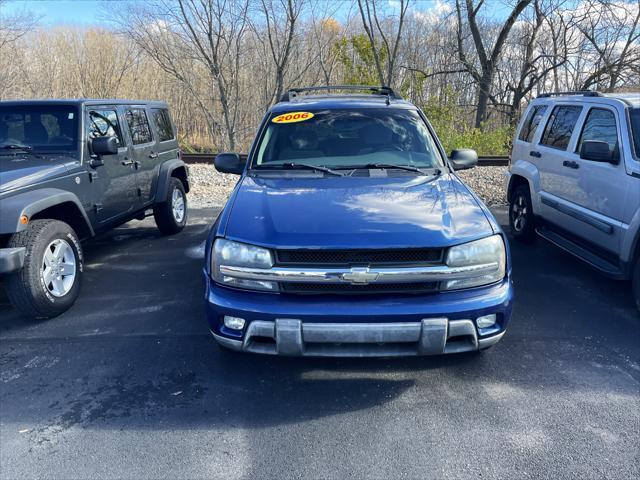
153	155
126	162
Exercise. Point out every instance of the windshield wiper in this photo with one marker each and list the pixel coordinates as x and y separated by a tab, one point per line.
22	148
293	166
409	168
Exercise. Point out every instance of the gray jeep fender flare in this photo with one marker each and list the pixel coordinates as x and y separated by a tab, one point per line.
164	176
33	202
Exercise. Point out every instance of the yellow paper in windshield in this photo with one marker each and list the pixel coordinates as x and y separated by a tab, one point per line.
292	117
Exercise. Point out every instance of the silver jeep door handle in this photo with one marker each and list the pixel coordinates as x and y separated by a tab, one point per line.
127	162
153	155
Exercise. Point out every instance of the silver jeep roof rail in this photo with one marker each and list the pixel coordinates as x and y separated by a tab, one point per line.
293	93
586	93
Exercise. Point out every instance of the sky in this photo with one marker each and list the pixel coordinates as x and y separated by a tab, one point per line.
94	12
54	12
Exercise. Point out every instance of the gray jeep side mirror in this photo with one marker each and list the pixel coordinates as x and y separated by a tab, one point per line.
597	151
104	146
463	159
229	163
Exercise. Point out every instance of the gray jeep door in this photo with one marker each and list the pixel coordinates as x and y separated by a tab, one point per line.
115	181
143	150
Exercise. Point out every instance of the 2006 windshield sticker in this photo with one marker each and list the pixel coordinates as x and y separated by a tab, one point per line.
292	117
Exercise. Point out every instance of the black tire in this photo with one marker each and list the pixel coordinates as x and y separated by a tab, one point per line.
167	221
27	289
635	283
521	218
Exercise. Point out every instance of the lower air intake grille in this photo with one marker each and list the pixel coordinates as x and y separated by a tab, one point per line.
347	289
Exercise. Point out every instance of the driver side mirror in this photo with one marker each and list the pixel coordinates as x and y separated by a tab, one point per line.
597	151
104	146
229	163
463	159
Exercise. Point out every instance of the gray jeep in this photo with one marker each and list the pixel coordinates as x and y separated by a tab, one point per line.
70	169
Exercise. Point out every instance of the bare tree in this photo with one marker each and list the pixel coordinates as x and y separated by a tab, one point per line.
488	57
383	39
281	25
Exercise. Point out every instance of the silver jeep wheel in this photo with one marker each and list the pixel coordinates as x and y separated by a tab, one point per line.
58	268
519	213
177	205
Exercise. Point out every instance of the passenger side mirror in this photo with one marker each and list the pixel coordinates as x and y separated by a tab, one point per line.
597	151
463	159
104	146
229	163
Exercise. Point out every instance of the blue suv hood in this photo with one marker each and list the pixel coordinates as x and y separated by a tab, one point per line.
355	212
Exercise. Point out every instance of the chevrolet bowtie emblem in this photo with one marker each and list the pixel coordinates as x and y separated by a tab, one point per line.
360	276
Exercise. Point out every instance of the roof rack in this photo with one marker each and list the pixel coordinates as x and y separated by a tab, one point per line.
586	93
293	93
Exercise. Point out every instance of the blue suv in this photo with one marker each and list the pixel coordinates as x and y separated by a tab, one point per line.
349	234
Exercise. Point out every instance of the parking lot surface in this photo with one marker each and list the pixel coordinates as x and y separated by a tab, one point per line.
129	384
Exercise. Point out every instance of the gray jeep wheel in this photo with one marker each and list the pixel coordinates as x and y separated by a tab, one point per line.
49	282
171	215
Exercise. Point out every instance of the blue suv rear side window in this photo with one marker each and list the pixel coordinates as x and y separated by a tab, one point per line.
560	126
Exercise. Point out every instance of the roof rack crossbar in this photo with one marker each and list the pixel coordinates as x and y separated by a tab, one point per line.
586	93
293	93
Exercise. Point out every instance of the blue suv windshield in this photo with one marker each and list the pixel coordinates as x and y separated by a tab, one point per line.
343	138
49	128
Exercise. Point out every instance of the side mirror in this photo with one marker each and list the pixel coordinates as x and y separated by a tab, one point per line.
463	159
597	151
229	163
104	146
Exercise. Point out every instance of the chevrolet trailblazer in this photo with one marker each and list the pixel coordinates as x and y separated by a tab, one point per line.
349	234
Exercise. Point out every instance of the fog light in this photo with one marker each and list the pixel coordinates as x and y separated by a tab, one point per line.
486	321
234	323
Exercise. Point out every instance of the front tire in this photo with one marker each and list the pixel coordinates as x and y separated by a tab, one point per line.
171	215
50	280
521	219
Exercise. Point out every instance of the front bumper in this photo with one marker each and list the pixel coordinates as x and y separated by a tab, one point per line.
360	326
11	259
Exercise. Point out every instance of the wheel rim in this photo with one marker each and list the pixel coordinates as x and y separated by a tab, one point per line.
177	205
58	268
519	212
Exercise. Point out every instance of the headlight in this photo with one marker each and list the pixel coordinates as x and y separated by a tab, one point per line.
488	251
236	254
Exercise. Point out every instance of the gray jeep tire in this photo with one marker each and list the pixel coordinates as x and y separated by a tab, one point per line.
171	215
50	280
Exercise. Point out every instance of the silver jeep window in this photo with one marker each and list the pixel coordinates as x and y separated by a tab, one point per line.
560	126
600	125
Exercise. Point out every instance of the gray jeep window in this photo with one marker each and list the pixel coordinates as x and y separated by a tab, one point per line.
163	123
138	126
104	123
531	123
600	125
560	126
39	126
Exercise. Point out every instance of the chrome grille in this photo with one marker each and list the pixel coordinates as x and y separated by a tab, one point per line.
405	256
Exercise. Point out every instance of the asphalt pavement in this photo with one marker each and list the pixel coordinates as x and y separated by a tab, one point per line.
129	384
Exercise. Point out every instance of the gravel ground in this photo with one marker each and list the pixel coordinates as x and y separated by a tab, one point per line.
211	189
